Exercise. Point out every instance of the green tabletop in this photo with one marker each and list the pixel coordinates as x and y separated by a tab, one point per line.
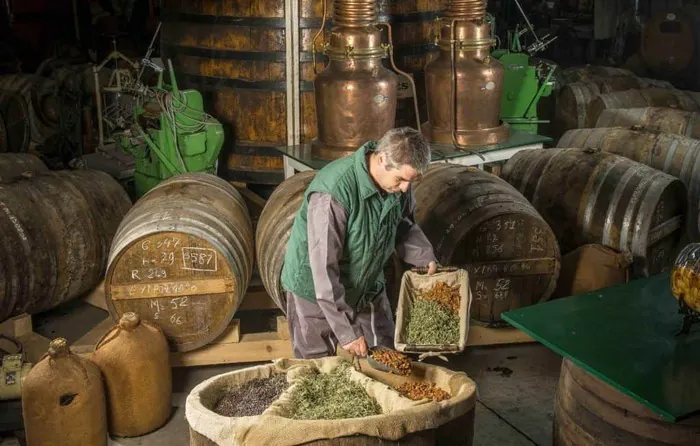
302	153
626	336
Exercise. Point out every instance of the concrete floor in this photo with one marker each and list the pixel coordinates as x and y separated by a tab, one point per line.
516	385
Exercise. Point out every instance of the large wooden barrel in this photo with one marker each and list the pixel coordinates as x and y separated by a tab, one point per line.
590	411
14	114
589	196
15	165
667	44
274	229
235	54
182	259
574	98
648	97
272	234
413	29
40	96
655	119
478	221
55	231
672	154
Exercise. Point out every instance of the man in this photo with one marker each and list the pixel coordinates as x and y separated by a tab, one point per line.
355	213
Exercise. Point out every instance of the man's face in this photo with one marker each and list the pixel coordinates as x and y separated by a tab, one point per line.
394	179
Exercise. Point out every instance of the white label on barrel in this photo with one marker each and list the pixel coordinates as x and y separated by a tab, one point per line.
199	259
163	289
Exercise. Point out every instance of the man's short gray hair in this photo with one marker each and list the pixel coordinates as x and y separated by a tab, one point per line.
405	146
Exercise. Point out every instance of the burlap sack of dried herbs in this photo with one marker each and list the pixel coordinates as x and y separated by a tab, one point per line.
399	416
413	285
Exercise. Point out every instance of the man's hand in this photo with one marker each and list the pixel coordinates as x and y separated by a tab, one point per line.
432	268
358	347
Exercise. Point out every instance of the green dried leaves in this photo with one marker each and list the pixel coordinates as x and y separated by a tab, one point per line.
431	324
331	396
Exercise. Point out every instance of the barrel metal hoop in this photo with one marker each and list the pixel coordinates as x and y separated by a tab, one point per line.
669	155
225	54
592	197
219	82
631	205
170	16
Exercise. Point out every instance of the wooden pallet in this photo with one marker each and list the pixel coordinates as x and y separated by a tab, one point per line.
234	345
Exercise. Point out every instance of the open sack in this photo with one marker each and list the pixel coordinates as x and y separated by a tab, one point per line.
400	416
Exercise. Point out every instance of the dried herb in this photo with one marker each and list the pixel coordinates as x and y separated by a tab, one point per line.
430	323
443	294
251	398
391	358
418	391
331	396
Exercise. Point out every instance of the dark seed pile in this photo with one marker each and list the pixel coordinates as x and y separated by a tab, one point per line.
252	398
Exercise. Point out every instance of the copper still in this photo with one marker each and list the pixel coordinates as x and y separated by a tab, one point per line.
464	84
355	94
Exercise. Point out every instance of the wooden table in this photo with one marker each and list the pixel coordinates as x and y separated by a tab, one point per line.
300	158
626	336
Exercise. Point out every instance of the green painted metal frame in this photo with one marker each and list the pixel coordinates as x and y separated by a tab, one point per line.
627	336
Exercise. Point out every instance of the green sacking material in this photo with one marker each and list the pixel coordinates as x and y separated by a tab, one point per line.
430	323
331	396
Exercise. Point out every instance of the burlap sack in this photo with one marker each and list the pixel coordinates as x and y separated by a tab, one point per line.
411	284
134	359
400	416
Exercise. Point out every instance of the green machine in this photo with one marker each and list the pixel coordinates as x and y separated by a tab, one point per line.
170	134
164	128
526	80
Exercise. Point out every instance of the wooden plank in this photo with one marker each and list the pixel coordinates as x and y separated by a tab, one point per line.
96	298
482	336
17	326
283	328
254	347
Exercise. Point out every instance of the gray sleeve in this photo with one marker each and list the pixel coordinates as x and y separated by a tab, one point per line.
412	246
327	222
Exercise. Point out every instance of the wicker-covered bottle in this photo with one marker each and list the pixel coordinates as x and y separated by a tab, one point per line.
63	401
133	357
685	279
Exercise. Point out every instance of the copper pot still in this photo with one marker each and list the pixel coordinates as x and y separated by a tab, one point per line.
355	94
464	84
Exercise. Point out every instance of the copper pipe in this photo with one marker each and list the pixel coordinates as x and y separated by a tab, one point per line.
406	75
313	42
355	13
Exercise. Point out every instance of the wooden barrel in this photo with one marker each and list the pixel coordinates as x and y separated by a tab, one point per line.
590	411
235	54
574	98
672	154
14	165
55	232
655	119
478	221
274	228
413	32
182	259
667	44
14	113
272	234
648	97
40	96
589	196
